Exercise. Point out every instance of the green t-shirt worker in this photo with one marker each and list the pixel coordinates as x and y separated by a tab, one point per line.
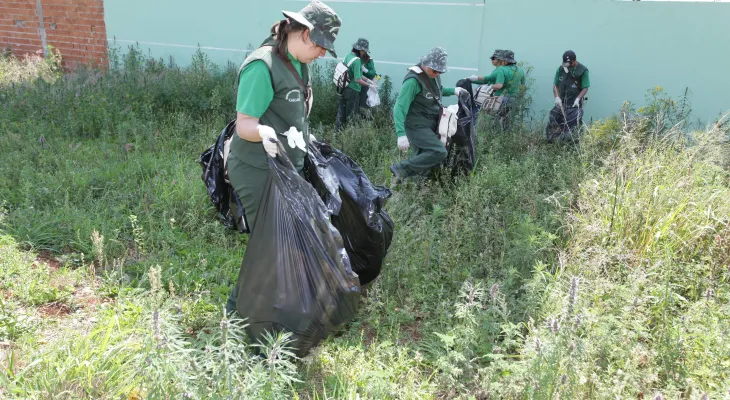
274	100
369	72
348	104
416	114
507	78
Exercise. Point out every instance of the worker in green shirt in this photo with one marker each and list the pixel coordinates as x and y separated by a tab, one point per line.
369	72
506	80
274	100
348	104
570	86
416	115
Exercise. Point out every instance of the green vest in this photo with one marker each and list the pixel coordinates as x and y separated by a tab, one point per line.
425	109
287	109
570	84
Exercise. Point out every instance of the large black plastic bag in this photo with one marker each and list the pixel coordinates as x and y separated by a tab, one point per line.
564	124
221	193
363	223
460	159
296	275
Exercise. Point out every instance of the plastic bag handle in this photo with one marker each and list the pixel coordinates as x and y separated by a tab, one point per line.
281	159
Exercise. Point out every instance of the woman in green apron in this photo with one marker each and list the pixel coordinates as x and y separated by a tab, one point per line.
274	100
416	115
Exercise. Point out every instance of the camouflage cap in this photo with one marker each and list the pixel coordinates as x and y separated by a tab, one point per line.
435	59
497	55
509	56
362	44
322	21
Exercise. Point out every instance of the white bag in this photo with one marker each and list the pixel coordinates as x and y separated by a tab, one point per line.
373	97
342	74
448	123
481	94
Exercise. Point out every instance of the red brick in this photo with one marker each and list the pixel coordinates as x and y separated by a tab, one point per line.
80	33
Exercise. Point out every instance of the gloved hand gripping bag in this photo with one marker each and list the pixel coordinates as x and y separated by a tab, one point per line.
365	226
296	274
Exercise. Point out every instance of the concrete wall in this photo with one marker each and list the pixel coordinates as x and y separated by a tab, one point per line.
74	27
628	46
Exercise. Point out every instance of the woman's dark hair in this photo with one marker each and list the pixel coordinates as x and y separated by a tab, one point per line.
280	33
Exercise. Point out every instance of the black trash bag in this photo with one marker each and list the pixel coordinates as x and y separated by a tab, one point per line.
365	226
221	193
564	124
296	275
460	159
323	179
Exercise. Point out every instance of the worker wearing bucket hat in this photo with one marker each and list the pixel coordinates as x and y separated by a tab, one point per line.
350	100
416	114
368	71
506	78
273	102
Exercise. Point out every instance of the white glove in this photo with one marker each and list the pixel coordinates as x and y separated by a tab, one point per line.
458	91
576	103
370	83
403	144
296	139
269	140
558	102
312	138
364	70
473	78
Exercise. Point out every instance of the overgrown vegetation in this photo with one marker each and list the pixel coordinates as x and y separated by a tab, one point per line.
596	271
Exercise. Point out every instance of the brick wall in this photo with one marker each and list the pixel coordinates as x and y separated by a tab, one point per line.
74	27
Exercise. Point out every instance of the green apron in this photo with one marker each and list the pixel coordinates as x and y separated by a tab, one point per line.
570	84
421	125
247	162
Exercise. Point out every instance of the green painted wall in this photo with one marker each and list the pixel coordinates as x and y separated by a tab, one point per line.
628	46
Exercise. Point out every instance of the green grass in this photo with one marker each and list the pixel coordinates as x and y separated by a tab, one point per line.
590	271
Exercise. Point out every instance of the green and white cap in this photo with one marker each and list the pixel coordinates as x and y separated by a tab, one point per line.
323	23
435	59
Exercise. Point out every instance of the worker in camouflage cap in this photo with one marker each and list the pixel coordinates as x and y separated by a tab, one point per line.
507	80
273	102
496	56
416	113
361	71
322	21
368	71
